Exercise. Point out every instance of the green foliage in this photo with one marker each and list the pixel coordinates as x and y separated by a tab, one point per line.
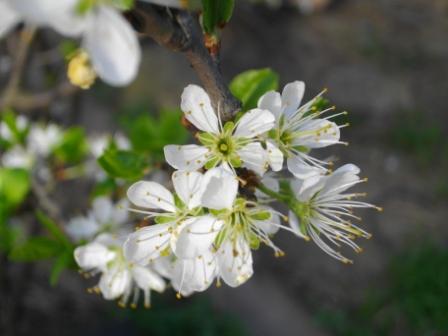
149	135
51	226
14	187
8	235
415	296
72	148
105	187
36	248
85	6
18	135
68	48
250	85
56	247
124	164
215	14
196	316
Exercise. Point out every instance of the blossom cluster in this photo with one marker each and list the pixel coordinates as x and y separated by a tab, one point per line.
218	213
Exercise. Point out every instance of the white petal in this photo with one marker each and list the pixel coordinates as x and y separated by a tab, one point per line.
102	209
187	157
292	97
254	157
60	15
220	189
322	133
340	180
147	279
254	122
120	213
151	195
93	256
82	227
275	156
188	186
294	224
301	170
147	243
235	262
198	109
194	275
113	47
197	236
115	282
272	102
305	189
8	18
163	266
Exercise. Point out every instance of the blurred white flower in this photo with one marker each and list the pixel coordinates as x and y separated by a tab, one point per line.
298	130
21	123
57	14
231	145
111	43
105	216
41	139
119	278
98	143
17	157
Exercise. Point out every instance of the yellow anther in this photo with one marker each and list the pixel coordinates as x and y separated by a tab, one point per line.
178	296
80	71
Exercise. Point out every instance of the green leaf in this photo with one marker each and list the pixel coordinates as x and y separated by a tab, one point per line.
123	164
8	236
73	147
123	4
64	261
14	187
36	248
106	187
149	135
250	85
216	14
261	215
52	228
18	135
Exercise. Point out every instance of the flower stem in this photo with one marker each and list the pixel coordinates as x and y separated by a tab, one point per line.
272	193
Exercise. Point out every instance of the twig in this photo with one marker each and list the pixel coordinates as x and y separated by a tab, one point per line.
44	202
181	32
26	36
30	101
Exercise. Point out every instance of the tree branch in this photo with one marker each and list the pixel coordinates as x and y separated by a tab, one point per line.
26	36
181	32
29	101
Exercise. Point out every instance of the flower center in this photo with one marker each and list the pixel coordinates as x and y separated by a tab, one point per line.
80	71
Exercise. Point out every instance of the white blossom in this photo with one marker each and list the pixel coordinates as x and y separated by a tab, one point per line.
324	211
174	212
105	216
231	145
119	278
245	224
298	129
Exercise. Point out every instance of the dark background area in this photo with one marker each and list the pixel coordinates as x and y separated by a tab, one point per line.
385	62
